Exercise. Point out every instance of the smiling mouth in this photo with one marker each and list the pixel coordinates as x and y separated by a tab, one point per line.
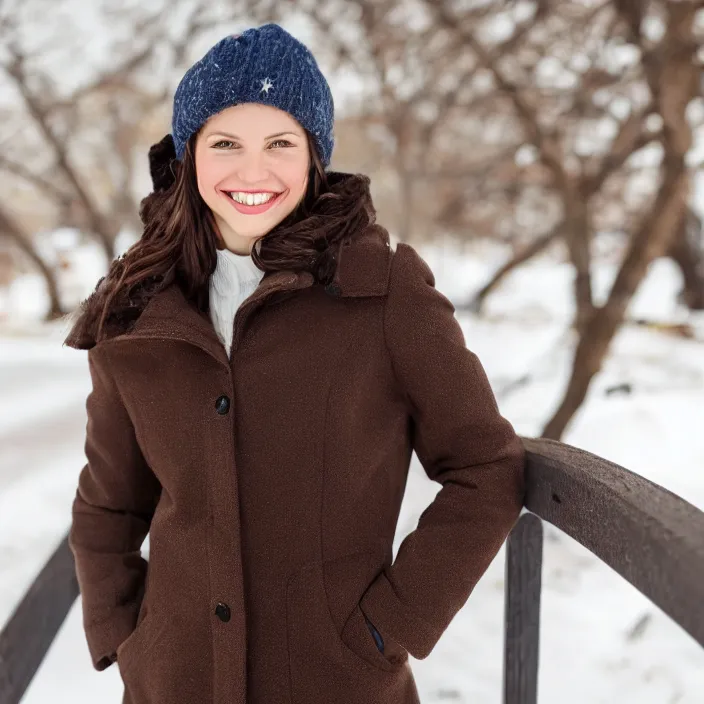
270	195
253	209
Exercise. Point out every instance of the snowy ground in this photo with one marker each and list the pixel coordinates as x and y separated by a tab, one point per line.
587	653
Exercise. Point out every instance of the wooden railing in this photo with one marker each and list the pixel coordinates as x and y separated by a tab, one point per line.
647	534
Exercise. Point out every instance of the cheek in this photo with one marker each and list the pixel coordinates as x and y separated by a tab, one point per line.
208	175
290	164
296	177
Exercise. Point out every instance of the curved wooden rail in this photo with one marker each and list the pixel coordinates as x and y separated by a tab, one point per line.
28	635
648	535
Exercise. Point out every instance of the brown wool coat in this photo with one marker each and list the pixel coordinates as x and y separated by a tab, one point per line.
271	484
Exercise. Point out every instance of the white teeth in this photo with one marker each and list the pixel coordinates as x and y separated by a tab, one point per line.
251	198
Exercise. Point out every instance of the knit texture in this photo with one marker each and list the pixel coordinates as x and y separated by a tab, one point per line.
234	279
264	65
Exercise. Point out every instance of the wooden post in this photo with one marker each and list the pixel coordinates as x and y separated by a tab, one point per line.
524	558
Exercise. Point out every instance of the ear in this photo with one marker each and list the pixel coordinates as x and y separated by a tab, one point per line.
161	155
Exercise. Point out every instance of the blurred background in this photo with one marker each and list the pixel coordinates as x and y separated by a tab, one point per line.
545	157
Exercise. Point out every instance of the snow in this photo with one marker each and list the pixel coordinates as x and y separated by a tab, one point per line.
601	641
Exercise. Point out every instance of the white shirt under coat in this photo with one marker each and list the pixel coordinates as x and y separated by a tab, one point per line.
234	279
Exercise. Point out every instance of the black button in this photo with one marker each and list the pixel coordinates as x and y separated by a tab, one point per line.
222	405
332	289
222	611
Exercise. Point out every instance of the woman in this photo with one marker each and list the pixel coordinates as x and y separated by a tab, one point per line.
255	410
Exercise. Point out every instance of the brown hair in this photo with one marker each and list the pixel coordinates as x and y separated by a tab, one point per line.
179	240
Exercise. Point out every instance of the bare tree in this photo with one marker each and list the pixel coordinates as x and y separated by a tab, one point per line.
11	229
77	148
673	76
585	127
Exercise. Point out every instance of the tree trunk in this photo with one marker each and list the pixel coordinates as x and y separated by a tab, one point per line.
578	239
687	252
406	214
10	228
649	243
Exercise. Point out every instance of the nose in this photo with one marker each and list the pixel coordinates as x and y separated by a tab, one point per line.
251	167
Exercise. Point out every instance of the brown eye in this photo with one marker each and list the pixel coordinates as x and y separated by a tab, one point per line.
282	141
217	145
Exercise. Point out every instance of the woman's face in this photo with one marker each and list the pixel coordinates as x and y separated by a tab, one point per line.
253	153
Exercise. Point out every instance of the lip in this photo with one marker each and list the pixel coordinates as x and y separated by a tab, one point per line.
254	209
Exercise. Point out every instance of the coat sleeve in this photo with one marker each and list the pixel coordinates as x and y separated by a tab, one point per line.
463	443
111	513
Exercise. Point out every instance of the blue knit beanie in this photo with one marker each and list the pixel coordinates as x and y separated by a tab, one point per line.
262	65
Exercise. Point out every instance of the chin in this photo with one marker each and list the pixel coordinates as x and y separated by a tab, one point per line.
262	229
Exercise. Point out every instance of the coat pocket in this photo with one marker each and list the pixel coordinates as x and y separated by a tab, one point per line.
168	655
138	647
331	649
156	666
358	638
124	649
345	580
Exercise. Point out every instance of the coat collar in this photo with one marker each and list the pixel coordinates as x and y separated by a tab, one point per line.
362	270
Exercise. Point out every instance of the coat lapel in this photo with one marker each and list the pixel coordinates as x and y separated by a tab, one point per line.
171	316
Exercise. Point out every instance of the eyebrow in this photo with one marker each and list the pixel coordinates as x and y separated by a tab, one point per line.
234	136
